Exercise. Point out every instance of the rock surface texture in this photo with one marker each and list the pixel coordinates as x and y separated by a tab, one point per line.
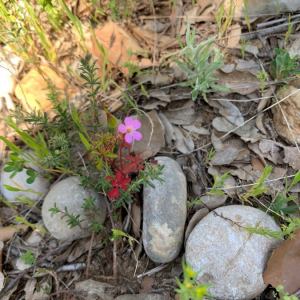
230	257
258	8
291	109
165	210
68	193
40	185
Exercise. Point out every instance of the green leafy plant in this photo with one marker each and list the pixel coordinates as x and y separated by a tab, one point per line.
29	258
287	230
76	25
195	201
283	66
54	13
200	63
244	46
246	14
262	76
289	31
222	26
188	288
218	184
279	206
284	295
258	187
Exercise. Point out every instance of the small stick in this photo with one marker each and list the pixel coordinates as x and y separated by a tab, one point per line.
115	242
265	46
88	261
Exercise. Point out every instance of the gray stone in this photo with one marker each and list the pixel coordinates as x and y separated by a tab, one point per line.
214	200
40	185
165	209
150	296
257	8
230	257
68	193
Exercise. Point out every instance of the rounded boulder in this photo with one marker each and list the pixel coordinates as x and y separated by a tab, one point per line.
68	193
165	209
231	258
40	184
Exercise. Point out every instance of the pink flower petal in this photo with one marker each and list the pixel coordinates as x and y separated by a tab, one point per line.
137	135
122	128
128	122
136	124
128	138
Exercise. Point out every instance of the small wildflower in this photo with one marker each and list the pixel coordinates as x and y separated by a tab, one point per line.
190	272
129	129
188	285
118	183
200	291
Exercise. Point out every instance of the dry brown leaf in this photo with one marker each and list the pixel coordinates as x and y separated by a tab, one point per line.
270	151
239	82
181	117
224	156
119	42
34	87
6	233
283	266
234	35
153	132
136	217
247	65
169	131
256	164
183	141
291	109
91	287
247	132
146	283
228	111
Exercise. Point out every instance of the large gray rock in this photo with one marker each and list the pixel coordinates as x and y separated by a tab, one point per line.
40	185
68	193
165	209
149	296
230	257
257	8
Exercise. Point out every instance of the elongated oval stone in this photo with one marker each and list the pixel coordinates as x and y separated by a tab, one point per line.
165	210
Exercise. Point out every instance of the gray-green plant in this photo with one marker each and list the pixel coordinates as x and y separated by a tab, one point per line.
283	66
200	62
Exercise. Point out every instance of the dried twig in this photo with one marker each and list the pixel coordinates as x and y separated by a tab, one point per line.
89	257
115	242
15	281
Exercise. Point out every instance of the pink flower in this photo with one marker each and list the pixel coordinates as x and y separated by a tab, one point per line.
129	129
